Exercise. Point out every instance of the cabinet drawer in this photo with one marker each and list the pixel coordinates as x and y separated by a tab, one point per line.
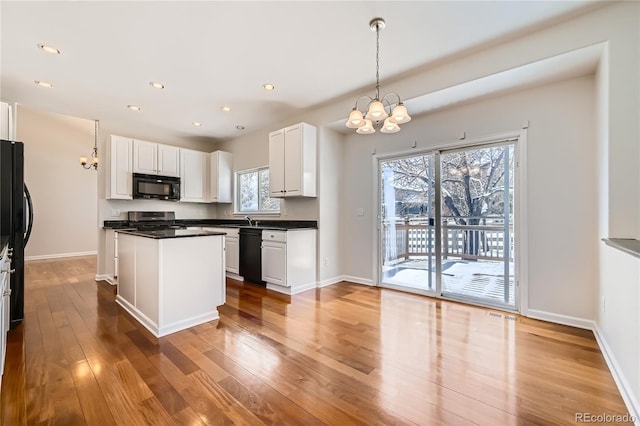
274	236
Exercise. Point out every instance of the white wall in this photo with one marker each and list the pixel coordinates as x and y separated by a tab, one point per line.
63	192
330	167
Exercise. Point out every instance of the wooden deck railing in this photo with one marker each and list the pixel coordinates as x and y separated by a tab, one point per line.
402	240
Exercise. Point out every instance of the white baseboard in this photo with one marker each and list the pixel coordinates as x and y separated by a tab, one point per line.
562	319
234	276
330	281
290	290
357	280
107	278
628	396
61	255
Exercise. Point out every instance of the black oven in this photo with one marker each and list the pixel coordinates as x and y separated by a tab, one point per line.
156	187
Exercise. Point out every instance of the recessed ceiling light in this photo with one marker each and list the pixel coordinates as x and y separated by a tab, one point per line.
197	124
134	107
49	49
226	108
43	83
240	127
156	85
268	87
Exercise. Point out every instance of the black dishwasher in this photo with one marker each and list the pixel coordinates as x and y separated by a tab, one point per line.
251	255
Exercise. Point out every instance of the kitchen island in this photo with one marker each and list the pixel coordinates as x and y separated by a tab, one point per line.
173	279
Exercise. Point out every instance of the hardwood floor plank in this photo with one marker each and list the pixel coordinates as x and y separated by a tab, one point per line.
346	354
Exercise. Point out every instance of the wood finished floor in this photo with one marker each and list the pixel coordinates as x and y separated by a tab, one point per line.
345	354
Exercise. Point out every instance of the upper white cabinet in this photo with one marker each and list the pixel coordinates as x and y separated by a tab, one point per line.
156	159
193	176
120	180
7	131
292	161
168	160
220	177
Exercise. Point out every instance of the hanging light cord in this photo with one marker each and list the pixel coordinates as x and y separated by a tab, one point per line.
377	62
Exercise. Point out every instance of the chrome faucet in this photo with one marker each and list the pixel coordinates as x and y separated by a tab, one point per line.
249	219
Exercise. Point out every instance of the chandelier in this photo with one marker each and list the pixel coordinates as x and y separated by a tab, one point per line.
378	108
84	161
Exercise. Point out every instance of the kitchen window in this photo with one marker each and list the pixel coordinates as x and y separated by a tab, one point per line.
252	192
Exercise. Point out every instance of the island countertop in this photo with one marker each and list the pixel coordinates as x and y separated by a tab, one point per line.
170	233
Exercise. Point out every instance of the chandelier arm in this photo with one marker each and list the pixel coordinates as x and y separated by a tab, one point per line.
360	98
393	103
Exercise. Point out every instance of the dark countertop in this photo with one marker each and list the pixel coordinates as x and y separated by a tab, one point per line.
170	233
228	223
627	245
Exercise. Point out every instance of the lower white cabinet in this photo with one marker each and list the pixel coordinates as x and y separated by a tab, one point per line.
289	260
232	248
5	303
233	253
111	256
274	258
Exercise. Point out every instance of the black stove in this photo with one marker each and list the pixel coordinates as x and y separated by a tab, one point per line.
153	221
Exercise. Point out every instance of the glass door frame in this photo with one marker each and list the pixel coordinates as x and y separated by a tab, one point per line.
519	139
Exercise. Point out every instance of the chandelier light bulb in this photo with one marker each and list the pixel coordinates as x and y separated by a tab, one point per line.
367	128
376	111
390	126
355	119
400	114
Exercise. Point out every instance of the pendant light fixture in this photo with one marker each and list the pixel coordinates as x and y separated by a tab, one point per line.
84	161
378	108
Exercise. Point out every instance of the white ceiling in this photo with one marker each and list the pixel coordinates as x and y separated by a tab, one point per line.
215	53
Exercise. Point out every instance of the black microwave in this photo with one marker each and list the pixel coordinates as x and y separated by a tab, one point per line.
156	187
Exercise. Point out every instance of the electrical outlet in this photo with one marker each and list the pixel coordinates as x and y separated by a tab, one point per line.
326	261
115	213
359	211
604	304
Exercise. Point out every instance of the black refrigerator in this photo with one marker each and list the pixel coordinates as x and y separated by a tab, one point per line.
16	219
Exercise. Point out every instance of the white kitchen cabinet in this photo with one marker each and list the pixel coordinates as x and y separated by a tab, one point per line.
152	158
233	254
120	169
274	258
232	249
168	160
289	260
193	176
5	303
110	256
7	131
145	157
292	161
220	177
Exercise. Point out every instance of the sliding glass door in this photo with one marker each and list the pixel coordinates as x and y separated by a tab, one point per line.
447	224
407	188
